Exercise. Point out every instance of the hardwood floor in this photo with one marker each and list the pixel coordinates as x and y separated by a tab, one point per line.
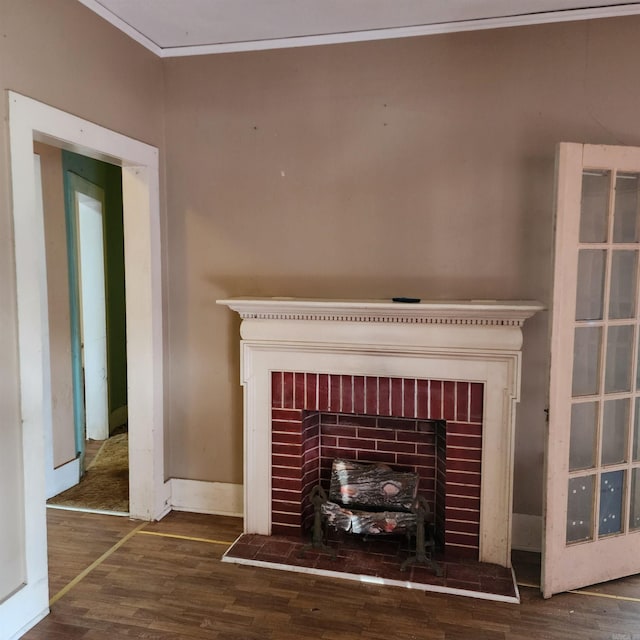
165	581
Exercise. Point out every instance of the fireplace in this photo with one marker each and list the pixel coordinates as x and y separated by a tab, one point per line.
327	373
430	427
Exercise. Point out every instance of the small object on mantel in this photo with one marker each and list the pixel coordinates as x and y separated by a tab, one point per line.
409	300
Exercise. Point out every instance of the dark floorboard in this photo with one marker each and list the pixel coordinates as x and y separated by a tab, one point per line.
163	585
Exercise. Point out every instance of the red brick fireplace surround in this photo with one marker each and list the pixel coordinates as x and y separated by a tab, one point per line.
397	421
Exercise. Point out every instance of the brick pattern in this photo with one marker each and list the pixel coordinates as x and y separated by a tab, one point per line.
287	472
378	396
462	488
441	487
317	417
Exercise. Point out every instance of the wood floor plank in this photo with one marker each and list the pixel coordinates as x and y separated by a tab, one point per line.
76	539
199	525
166	588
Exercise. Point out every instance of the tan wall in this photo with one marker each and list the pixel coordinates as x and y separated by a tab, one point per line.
420	167
64	446
58	52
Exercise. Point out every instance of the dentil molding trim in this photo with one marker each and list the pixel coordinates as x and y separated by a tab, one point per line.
464	312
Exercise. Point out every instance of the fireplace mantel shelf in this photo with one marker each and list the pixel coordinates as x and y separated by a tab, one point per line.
461	312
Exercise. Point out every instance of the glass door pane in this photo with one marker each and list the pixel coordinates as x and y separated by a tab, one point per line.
619	356
594	206
625	227
584	429
586	361
622	292
615	427
611	495
634	511
635	450
590	295
580	509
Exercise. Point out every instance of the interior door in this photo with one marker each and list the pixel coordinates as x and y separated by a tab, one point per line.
592	508
85	207
89	214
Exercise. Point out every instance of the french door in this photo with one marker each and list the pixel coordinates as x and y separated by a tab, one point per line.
592	508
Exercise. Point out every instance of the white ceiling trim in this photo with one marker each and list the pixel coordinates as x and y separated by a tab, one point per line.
567	15
126	28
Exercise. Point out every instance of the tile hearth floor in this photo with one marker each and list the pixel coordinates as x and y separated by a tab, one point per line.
375	560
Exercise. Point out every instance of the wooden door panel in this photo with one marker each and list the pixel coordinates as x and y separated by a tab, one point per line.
592	452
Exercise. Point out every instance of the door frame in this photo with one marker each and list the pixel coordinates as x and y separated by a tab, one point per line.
29	121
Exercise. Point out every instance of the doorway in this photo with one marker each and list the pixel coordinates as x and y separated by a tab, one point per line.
95	240
29	121
84	204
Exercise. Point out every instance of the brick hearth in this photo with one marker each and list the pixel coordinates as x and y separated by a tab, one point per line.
399	421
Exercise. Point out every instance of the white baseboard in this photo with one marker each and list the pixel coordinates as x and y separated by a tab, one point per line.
219	498
29	625
62	478
526	532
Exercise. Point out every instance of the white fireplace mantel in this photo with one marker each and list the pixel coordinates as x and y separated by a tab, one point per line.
475	340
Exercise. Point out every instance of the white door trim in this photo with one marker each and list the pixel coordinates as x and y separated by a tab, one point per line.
30	120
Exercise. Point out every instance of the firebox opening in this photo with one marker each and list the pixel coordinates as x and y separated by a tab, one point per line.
403	444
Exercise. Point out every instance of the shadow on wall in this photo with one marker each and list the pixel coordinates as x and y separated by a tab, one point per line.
360	288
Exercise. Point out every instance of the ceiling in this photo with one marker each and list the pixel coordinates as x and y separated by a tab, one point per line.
192	27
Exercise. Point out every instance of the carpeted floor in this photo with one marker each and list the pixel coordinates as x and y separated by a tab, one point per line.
105	485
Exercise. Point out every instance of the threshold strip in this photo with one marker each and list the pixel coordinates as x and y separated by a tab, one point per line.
179	537
95	564
102	512
585	592
528	585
